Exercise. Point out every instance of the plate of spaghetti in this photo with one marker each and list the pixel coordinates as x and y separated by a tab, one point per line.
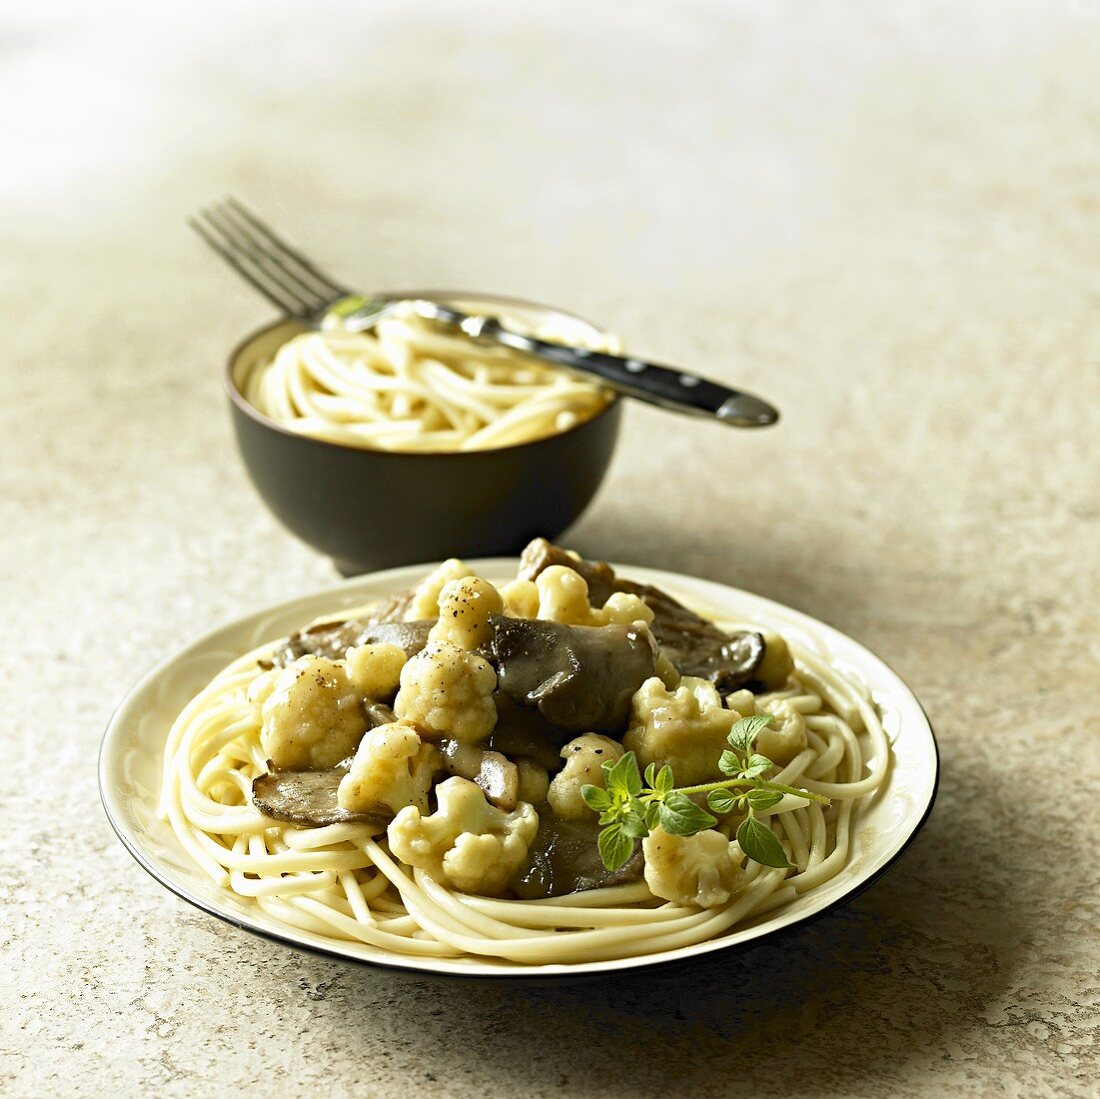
519	768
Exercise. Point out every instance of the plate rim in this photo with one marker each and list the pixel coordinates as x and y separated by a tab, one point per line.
446	968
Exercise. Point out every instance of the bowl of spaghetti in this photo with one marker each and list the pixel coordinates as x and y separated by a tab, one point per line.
406	443
364	773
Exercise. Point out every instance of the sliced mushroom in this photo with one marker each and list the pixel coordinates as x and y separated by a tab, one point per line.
521	732
309	797
333	639
581	678
377	713
695	645
394	608
565	858
498	777
598	575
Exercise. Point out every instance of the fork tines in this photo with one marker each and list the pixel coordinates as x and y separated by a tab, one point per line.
281	273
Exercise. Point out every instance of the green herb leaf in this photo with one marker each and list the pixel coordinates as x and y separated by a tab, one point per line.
722	801
595	797
615	847
744	732
680	816
634	825
730	764
611	815
759	842
665	780
624	778
764	799
757	766
651	775
652	814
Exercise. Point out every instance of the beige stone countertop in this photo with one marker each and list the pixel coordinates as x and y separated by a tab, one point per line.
883	216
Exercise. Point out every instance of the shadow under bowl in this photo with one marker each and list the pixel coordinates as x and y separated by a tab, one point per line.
370	509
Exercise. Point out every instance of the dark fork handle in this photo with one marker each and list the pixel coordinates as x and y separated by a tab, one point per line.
651	382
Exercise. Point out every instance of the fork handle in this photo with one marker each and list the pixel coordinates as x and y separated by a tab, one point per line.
647	381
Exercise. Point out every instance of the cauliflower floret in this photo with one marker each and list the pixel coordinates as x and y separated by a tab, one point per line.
376	669
777	664
464	609
534	781
667	672
563	597
521	598
448	692
425	600
392	767
783	742
702	869
685	728
467	843
312	717
625	609
583	757
743	701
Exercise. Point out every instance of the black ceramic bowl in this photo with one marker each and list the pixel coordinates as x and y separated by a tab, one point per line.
369	509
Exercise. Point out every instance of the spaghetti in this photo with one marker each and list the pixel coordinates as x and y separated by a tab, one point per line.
406	386
342	881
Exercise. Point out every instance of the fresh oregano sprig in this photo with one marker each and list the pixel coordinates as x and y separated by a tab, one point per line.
631	806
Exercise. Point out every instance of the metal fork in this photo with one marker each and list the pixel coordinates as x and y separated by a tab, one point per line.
301	290
290	281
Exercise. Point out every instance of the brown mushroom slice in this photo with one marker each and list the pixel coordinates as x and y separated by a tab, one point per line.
309	798
522	732
695	645
377	713
540	554
394	608
333	639
581	678
498	777
564	857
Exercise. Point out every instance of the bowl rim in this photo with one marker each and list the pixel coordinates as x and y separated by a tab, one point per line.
243	405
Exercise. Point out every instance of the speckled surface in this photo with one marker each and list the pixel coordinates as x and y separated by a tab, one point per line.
884	216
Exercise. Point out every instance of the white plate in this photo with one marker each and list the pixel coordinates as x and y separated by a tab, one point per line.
131	756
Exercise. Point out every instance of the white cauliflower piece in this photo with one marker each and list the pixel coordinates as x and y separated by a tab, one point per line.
685	728
448	692
425	600
392	767
467	843
464	609
375	670
563	597
534	781
784	741
777	665
312	717
743	701
521	599
623	608
584	758
667	672
703	869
